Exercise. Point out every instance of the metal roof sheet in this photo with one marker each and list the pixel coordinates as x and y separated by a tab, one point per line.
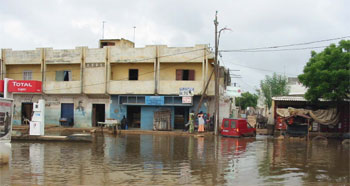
289	98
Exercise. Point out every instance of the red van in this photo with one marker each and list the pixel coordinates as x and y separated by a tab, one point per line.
236	128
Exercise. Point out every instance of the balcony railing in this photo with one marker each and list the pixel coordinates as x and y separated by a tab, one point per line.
131	87
62	87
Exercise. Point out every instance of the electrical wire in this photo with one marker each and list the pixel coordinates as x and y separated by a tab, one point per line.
276	50
287	45
126	78
120	61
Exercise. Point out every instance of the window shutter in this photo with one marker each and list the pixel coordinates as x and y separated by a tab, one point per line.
179	75
59	75
191	75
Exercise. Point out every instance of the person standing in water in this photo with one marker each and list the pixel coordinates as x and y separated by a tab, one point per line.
200	122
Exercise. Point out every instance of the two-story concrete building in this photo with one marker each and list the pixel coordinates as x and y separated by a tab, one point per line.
87	85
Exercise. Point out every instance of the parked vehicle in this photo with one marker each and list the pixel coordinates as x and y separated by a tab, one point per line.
236	128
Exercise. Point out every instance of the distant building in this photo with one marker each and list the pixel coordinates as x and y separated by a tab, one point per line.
295	87
87	85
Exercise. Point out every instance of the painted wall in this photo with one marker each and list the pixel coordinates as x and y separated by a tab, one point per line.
188	54
97	60
120	54
117	111
147	115
22	56
62	87
63	55
131	87
16	71
51	71
82	108
94	80
204	106
120	72
147	112
168	70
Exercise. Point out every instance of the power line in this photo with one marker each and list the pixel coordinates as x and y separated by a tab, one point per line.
126	78
260	69
275	50
288	45
125	60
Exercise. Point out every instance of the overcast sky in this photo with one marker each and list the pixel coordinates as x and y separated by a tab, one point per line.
65	24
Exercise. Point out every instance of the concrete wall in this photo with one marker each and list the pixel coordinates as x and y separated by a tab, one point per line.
117	111
120	71
131	87
182	54
82	108
16	72
51	71
168	70
22	56
142	55
97	66
63	56
147	116
173	87
62	87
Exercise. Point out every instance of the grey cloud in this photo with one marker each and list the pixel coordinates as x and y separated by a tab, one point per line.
255	23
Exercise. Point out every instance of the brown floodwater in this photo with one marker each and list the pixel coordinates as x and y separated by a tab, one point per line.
177	160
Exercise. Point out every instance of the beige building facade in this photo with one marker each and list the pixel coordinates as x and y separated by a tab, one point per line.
89	85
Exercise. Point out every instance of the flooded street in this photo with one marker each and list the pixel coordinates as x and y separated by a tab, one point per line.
170	160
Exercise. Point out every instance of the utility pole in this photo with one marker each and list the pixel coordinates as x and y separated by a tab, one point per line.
134	35
216	68
103	29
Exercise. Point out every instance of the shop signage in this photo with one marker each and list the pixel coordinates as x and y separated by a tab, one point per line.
154	100
1	85
233	91
24	86
186	91
186	99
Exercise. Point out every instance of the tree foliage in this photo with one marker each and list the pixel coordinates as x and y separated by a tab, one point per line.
327	73
273	86
247	100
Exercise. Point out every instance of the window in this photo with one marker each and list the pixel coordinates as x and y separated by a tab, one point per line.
133	74
233	124
27	75
64	75
226	123
185	75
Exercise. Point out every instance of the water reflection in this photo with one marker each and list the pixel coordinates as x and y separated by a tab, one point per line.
170	160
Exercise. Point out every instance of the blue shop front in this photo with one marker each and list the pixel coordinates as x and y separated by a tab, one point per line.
148	112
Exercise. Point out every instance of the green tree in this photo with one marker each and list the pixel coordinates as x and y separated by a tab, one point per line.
247	100
273	86
327	73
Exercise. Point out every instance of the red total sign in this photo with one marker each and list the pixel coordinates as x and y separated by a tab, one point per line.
24	86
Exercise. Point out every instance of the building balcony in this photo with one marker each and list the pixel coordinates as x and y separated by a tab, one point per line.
131	87
172	87
62	87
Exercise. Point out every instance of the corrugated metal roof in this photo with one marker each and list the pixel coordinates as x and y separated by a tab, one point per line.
289	98
297	98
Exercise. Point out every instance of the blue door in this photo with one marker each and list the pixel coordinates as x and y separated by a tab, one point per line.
67	114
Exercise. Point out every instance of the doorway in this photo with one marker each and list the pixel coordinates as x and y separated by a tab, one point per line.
181	117
98	114
67	114
26	113
134	116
